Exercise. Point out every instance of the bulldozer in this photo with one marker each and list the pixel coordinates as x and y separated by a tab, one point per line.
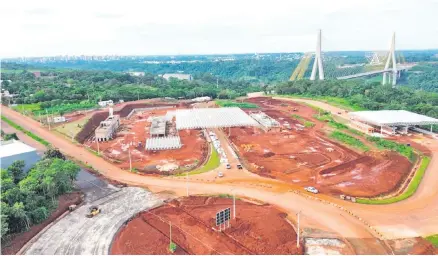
94	210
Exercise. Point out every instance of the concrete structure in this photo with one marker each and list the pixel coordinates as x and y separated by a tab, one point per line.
136	73
255	94
105	103
158	127
58	119
392	121
13	150
178	76
108	127
391	57
265	121
163	143
317	65
202	99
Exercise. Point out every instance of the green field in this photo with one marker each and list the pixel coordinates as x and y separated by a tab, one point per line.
231	103
349	140
29	108
413	186
433	239
74	128
212	163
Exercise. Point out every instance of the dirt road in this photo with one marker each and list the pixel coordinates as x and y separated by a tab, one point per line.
314	214
415	216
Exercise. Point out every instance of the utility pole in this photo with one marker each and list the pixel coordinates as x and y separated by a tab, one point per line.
170	234
98	151
130	162
48	121
217	82
298	230
187	183
234	205
138	95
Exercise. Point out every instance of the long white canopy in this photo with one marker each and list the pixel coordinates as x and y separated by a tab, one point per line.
212	118
393	118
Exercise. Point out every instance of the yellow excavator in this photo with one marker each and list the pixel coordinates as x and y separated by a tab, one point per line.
94	210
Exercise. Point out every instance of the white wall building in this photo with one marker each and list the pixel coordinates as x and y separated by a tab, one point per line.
187	77
13	150
105	103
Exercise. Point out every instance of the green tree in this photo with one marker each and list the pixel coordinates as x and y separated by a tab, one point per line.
16	170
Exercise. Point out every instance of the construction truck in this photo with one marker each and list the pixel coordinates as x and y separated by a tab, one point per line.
94	210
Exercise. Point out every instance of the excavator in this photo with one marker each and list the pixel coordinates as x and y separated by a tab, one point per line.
94	210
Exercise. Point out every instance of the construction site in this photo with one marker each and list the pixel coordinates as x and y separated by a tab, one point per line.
304	156
189	222
147	141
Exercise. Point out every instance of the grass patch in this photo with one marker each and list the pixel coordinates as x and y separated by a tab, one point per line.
28	133
391	145
335	101
433	239
212	163
28	108
74	127
298	117
413	186
309	124
349	140
231	103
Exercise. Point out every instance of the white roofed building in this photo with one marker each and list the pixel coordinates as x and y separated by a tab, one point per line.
13	150
187	77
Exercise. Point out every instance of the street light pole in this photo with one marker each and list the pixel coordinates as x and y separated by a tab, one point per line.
130	162
234	205
187	183
298	230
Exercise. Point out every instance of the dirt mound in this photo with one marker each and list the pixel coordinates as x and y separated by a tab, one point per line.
192	221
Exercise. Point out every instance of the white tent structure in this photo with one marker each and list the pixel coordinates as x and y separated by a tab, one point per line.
393	118
163	143
212	118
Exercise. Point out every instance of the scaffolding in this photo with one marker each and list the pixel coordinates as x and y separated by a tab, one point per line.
163	143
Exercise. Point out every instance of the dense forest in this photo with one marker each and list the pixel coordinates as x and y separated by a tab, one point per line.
29	198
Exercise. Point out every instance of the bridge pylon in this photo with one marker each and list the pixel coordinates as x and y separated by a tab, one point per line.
391	58
317	65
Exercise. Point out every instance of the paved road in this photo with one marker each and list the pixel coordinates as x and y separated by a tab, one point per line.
415	216
76	234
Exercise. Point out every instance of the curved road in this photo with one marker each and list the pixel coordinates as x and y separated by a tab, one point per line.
388	219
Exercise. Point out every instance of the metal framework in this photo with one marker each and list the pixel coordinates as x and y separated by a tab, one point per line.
212	118
163	143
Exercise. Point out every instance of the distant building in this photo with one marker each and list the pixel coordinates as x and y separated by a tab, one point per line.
255	94
13	150
136	73
58	119
105	103
202	99
37	74
108	127
187	77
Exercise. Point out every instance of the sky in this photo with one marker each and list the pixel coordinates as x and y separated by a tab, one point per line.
169	27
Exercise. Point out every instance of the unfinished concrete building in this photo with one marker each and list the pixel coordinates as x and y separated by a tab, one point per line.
108	127
158	127
267	123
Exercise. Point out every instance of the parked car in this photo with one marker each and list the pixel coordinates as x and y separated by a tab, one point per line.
220	175
239	166
228	166
311	190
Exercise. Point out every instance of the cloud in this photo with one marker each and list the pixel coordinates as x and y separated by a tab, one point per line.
49	27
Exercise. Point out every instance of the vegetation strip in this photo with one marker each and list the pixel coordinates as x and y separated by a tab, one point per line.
212	163
404	150
30	134
413	186
433	239
349	140
230	103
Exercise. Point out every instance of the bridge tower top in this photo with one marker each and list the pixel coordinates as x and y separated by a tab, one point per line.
317	65
391	58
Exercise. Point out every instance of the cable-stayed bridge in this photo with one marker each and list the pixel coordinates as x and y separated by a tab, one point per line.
389	64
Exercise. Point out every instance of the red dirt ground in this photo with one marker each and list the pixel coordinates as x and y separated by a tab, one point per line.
16	242
135	130
307	158
257	229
